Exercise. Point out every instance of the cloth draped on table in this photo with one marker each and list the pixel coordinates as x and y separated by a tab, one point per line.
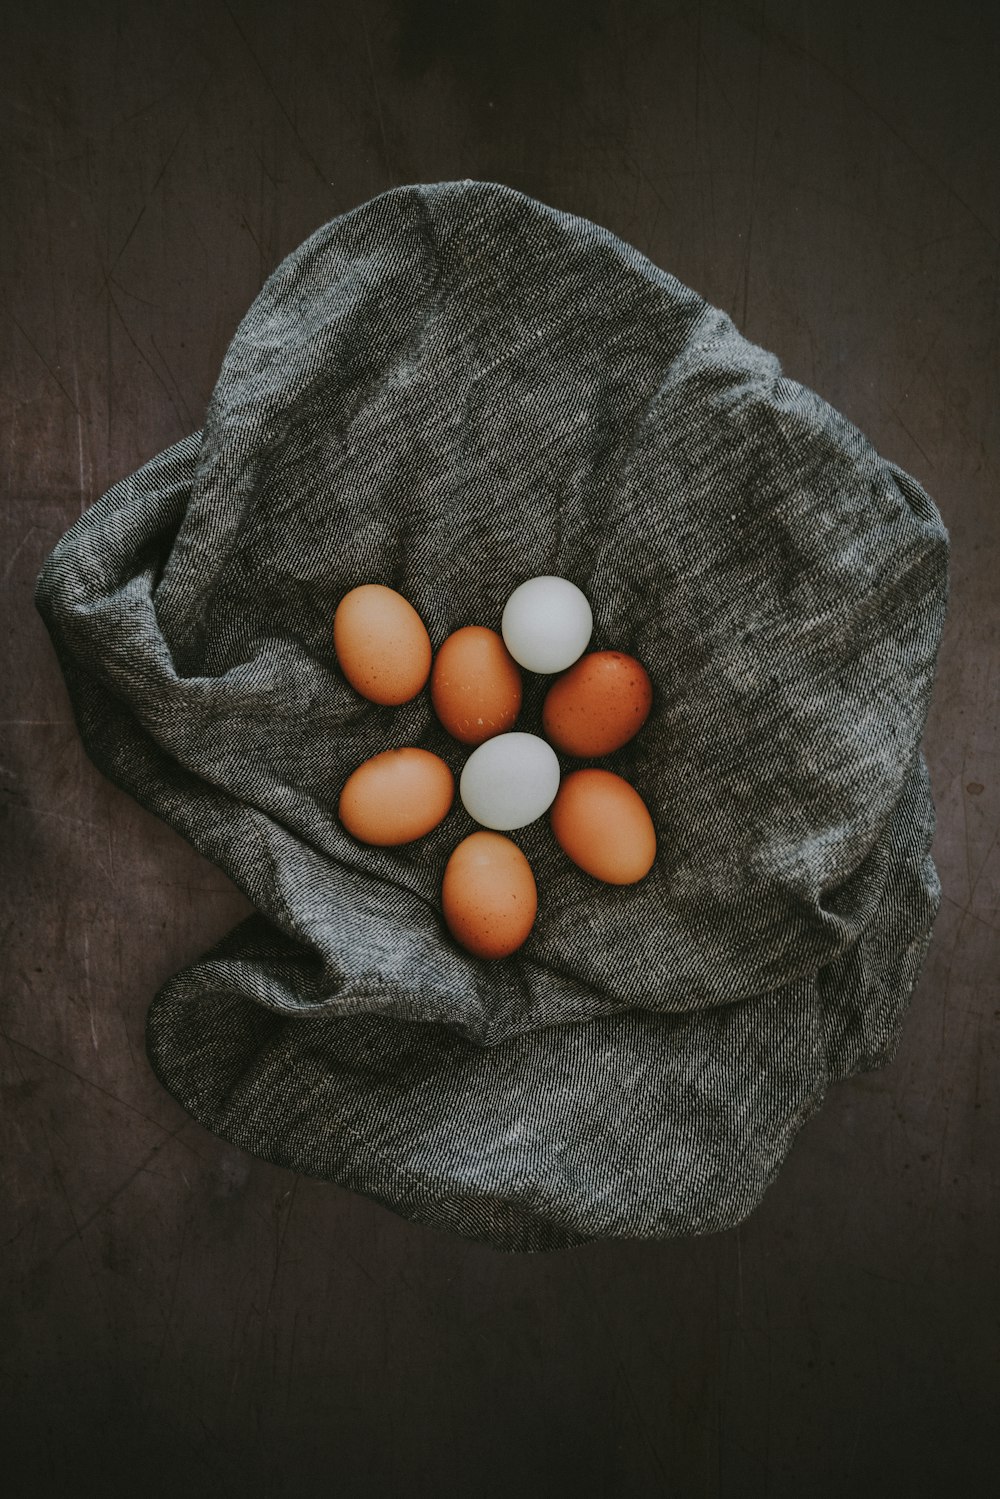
449	389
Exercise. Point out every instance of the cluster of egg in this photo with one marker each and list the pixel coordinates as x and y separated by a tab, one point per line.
596	704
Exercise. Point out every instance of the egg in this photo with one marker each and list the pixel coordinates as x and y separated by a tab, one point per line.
546	624
509	781
604	826
598	704
396	796
475	685
382	645
488	895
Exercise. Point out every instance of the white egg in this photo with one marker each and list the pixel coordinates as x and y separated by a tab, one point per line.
509	781
546	624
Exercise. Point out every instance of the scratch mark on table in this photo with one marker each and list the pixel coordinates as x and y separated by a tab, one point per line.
753	172
156	182
378	102
278	1250
654	1454
122	1187
911	435
28	338
798	50
275	96
168	1320
10	563
173	379
80	1077
185	422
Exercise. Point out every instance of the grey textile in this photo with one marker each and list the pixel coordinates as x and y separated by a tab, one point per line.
449	389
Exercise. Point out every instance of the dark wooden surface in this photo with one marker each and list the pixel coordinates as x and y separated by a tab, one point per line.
181	1319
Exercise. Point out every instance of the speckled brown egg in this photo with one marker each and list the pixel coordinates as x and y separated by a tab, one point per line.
604	826
488	895
597	705
475	685
396	796
382	645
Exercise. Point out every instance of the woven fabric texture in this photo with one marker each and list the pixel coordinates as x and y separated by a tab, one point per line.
449	389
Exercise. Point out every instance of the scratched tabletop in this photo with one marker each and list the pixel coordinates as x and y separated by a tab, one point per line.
181	1319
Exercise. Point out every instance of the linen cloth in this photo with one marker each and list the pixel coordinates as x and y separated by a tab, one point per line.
449	389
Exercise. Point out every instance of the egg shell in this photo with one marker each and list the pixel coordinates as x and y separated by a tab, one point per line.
546	623
509	781
488	895
475	685
598	705
604	826
396	796
382	644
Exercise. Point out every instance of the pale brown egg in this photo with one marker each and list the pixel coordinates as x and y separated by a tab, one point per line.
604	826
475	685
489	895
396	796
597	705
382	645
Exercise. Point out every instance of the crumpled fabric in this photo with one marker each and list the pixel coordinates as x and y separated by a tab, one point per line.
449	389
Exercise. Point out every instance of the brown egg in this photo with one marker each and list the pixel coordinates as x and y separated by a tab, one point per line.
603	824
597	705
475	685
489	895
381	643
396	796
